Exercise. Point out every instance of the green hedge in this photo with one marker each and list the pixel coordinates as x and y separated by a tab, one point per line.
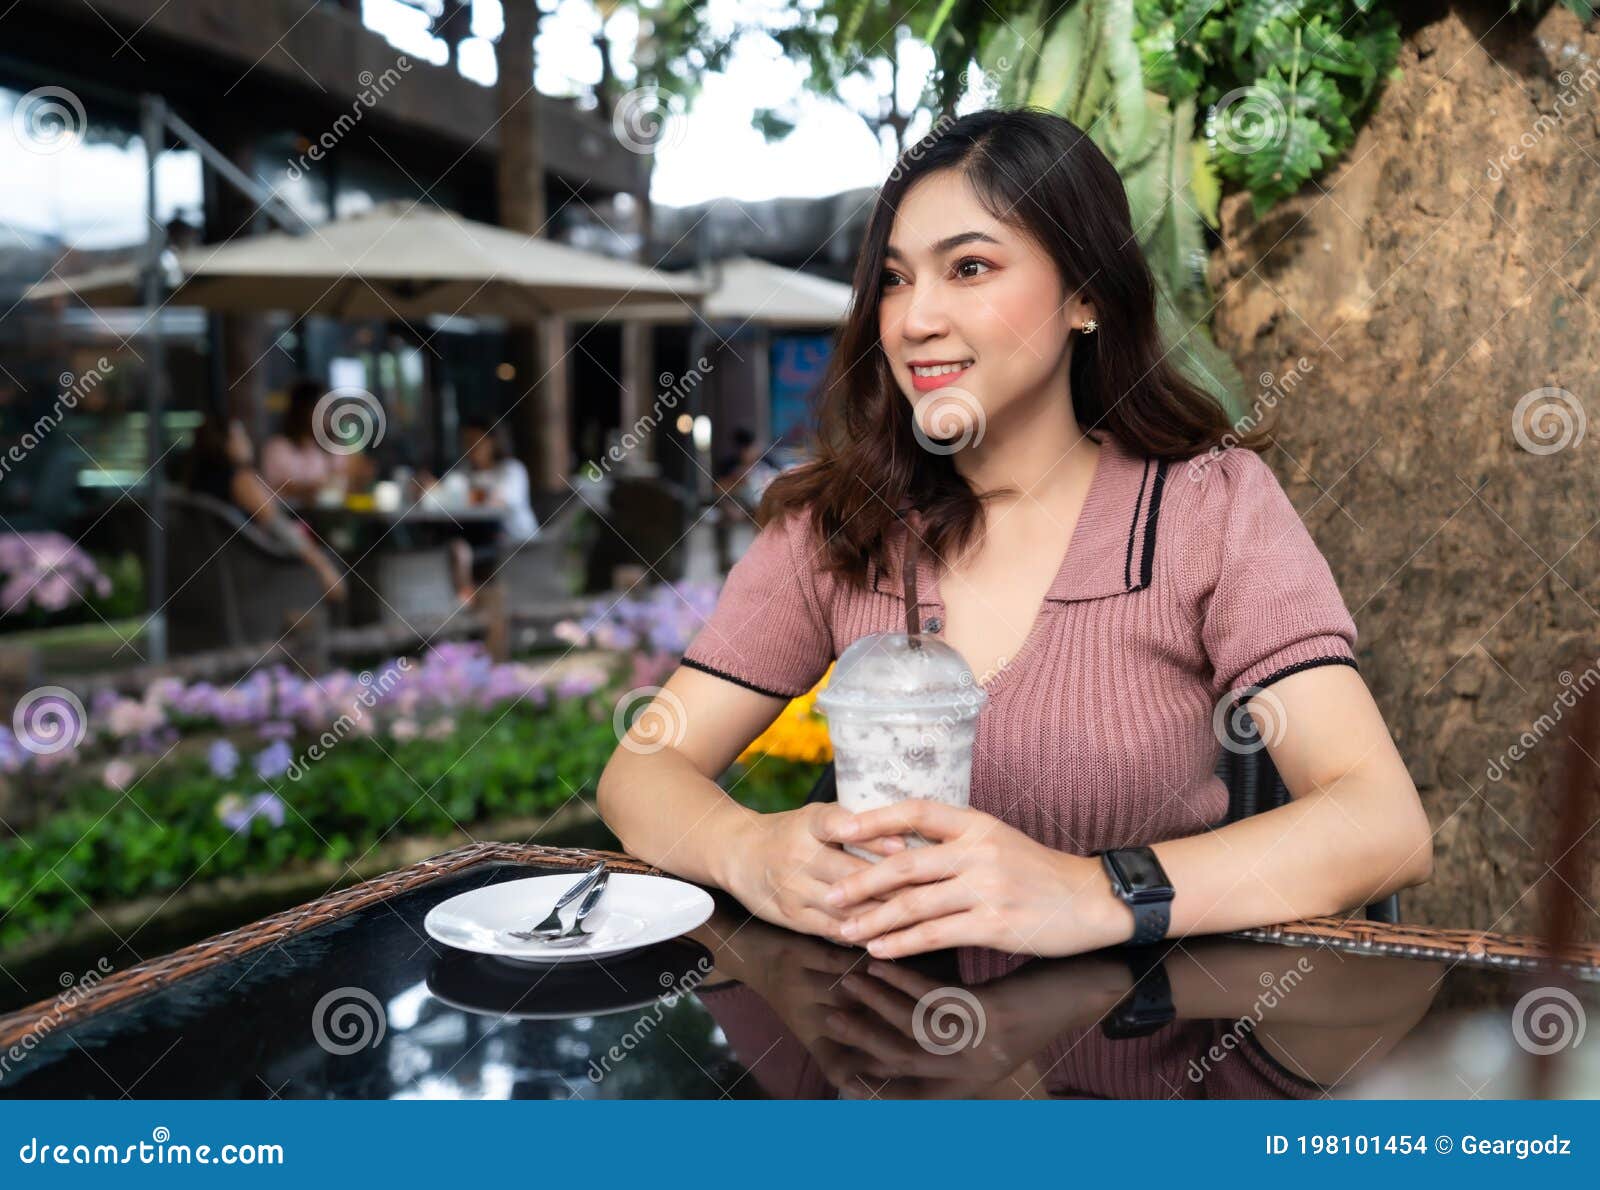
166	833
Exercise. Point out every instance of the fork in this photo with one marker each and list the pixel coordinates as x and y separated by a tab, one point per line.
551	925
575	932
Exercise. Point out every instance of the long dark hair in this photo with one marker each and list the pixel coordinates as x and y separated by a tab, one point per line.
1041	173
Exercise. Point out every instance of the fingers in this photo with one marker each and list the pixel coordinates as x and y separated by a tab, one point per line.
959	929
916	865
933	820
906	908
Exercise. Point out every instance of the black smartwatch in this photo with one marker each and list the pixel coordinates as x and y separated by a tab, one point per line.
1148	1005
1140	882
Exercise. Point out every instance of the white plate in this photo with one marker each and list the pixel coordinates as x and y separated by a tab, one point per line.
634	911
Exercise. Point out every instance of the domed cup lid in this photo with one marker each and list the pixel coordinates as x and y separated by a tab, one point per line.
891	672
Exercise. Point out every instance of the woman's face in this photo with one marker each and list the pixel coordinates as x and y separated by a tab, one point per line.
478	449
961	288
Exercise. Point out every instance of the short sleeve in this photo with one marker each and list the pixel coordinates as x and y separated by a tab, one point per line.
1275	608
768	631
277	462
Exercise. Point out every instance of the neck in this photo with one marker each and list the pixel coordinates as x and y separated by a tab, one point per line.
1038	448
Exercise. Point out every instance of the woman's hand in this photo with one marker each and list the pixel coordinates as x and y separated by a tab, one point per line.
980	882
783	864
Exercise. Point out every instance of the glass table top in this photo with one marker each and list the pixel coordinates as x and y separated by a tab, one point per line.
368	1006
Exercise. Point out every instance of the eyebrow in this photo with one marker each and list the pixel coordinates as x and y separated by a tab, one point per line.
944	245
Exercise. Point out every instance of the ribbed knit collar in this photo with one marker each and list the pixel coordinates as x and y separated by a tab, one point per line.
1113	544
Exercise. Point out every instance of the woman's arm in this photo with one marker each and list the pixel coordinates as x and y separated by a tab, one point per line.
659	795
658	792
1353	832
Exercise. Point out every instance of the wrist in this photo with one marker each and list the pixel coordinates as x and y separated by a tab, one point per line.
1097	918
733	845
1110	918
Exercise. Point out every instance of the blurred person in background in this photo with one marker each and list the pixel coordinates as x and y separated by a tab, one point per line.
296	465
492	477
221	464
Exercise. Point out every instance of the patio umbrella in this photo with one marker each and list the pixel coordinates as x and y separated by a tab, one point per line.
398	260
745	290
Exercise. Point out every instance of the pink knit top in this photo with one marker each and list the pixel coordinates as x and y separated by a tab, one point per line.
1185	585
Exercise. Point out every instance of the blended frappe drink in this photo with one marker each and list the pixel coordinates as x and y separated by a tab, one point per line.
902	714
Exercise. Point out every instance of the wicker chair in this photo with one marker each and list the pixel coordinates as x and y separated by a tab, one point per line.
1245	768
231	583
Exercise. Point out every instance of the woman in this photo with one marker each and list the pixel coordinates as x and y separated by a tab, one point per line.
495	478
221	465
295	465
1118	578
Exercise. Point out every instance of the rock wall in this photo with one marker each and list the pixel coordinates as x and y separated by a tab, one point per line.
1424	322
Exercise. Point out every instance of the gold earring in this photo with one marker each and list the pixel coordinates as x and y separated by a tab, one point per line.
1090	327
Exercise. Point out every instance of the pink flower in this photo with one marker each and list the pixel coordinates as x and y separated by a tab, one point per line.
118	775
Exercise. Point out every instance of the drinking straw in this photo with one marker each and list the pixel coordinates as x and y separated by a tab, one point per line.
909	566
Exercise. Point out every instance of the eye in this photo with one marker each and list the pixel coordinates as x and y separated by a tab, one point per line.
888	279
965	261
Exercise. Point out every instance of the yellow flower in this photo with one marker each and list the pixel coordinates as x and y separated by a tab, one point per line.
798	733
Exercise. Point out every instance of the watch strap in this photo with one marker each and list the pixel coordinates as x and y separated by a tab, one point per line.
1148	1005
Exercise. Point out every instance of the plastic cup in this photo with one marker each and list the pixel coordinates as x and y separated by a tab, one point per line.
902	714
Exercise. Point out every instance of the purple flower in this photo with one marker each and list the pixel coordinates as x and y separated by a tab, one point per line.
276	730
274	760
223	758
237	813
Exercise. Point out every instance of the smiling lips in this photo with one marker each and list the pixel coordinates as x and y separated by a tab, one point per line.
927	375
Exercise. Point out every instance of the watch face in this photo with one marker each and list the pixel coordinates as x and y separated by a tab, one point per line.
1141	874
